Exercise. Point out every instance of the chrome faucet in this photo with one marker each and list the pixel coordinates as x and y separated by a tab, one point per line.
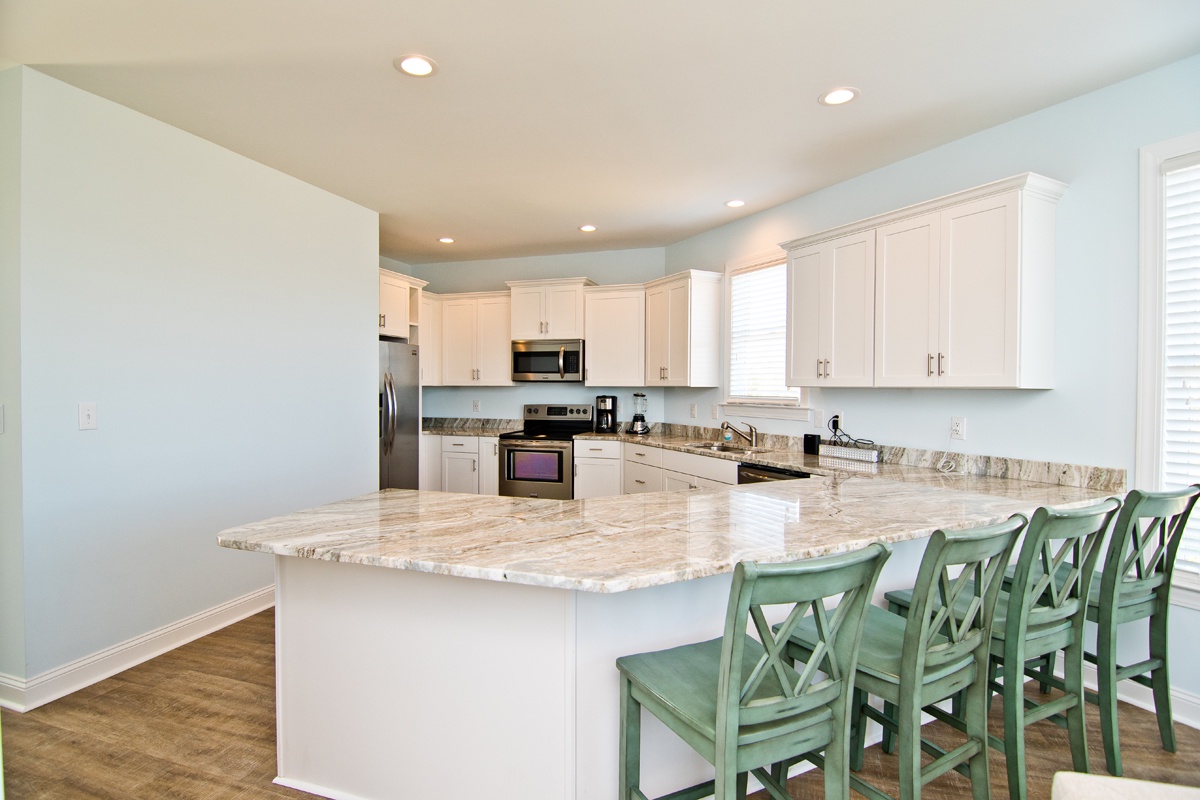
751	437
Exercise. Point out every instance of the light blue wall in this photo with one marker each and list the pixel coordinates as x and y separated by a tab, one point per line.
222	316
1092	144
612	266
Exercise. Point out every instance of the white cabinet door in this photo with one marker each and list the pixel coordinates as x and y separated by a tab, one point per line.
460	472
563	311
657	335
393	305
528	313
615	336
678	333
979	303
494	342
489	465
597	477
459	335
848	312
805	362
430	340
677	481
906	295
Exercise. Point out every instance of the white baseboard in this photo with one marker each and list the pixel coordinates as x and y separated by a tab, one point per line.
1185	706
17	694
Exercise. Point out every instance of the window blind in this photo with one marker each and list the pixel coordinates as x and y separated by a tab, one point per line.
1181	370
758	336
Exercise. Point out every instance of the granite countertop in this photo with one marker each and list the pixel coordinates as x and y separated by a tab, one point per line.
614	544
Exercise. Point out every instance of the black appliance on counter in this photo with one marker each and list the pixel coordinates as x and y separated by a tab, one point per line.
753	473
537	461
606	413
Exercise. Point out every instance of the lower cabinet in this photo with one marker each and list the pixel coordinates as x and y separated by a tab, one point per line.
471	464
651	469
597	469
642	468
430	475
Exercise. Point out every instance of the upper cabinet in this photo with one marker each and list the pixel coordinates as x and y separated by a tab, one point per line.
399	303
615	335
476	344
963	293
683	316
549	309
831	312
430	340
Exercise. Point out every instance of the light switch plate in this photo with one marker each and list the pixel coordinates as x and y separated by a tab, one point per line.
87	417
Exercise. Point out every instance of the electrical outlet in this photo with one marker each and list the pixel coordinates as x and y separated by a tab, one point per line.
87	417
693	410
818	417
716	411
474	406
958	427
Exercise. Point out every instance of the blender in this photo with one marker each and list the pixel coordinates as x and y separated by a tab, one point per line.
639	414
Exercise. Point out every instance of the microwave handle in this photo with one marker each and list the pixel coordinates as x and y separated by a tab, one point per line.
561	368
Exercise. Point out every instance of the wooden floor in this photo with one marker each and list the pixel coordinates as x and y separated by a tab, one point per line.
199	722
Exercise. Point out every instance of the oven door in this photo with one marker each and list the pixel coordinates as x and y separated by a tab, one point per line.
530	468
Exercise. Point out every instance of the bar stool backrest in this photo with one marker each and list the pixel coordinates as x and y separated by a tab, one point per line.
1141	554
773	692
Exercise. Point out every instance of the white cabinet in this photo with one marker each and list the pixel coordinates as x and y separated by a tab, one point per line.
550	309
399	303
429	477
460	464
489	465
683	314
615	335
476	345
597	468
831	312
965	292
697	471
642	468
430	339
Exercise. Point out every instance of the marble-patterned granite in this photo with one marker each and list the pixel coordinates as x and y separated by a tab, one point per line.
614	544
469	426
896	463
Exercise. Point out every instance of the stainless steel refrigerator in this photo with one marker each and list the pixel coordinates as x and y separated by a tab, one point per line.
399	415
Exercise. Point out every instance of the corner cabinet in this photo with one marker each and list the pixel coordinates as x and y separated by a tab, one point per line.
831	312
615	335
683	323
399	304
476	345
430	340
550	309
963	294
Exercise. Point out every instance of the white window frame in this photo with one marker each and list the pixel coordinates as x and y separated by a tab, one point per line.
740	407
1149	431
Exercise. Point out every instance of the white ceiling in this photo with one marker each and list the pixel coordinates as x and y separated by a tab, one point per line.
638	116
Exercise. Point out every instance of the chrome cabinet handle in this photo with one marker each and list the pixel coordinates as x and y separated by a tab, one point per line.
940	370
827	368
930	365
495	449
818	368
635	480
596	449
457	444
472	465
383	320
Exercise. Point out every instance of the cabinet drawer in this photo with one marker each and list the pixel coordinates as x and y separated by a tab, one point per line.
593	448
641	454
714	469
460	444
641	478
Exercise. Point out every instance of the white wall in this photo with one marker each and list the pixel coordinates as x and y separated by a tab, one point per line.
612	266
222	315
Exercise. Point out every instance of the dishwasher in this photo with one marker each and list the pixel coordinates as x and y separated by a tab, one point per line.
753	473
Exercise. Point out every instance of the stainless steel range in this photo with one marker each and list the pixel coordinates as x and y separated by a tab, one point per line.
536	461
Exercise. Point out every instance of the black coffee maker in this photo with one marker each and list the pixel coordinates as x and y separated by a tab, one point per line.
606	413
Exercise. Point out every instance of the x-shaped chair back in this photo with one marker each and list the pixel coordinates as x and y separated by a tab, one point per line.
1145	542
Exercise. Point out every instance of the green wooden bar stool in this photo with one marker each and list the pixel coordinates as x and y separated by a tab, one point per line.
941	649
1135	584
1038	616
737	701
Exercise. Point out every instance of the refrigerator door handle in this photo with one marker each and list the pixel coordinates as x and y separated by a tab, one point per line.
395	411
391	410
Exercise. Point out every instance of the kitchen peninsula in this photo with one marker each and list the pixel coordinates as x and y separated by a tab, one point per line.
435	645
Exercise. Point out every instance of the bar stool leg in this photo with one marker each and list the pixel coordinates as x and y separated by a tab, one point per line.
631	742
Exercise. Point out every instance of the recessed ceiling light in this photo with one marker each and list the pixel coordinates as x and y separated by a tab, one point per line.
735	203
446	240
836	97
416	65
587	228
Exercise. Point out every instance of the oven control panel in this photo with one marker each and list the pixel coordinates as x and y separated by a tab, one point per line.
569	413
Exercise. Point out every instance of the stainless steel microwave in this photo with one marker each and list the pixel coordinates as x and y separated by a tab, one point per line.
547	360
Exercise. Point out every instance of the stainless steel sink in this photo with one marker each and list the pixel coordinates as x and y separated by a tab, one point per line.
721	447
